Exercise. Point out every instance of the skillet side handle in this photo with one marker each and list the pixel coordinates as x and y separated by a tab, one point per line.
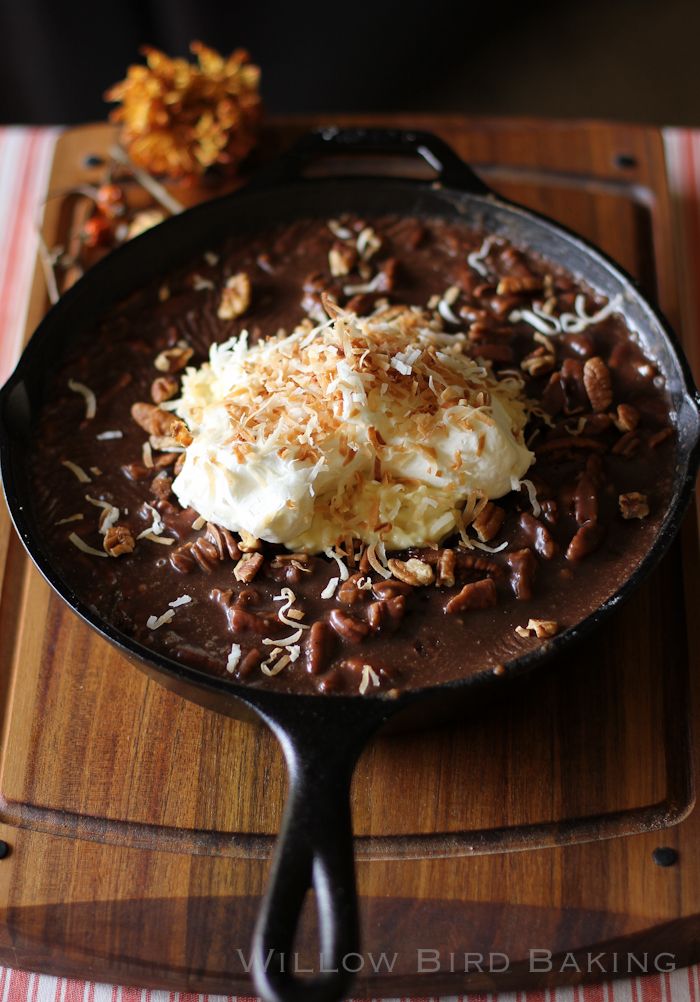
450	169
314	850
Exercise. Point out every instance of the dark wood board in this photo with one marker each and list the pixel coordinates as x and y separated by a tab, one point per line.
141	826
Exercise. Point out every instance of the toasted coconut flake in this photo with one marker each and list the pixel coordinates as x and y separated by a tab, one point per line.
105	436
288	598
78	517
77	471
285	641
532	495
375	563
368	675
476	260
85	547
88	396
199	523
201	284
156	527
182	600
330	589
163	540
147	455
155	622
234	657
489	549
342	568
338	231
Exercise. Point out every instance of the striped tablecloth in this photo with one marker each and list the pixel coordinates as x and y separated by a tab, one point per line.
25	163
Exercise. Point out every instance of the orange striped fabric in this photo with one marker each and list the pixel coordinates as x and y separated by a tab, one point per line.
25	161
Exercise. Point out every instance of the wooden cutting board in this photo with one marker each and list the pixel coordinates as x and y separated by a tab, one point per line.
140	827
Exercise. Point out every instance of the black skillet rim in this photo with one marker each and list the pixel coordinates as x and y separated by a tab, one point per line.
135	652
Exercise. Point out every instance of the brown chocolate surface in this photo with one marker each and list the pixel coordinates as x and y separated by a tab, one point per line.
558	567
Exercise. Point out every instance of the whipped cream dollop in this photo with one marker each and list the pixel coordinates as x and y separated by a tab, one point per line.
380	428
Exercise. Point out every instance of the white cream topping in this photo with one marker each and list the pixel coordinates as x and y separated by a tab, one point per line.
378	428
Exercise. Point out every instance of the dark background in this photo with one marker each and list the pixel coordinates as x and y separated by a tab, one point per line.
635	60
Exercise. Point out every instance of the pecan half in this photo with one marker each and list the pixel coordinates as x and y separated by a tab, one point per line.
348	593
248	542
320	647
511	285
626	417
413	571
522	565
235	298
349	627
223	540
585	541
596	379
386	612
161	485
477	595
539	535
118	540
633	505
160	423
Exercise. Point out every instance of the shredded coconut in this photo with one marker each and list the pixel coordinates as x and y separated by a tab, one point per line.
234	657
155	622
330	589
88	396
182	600
85	547
105	436
77	471
368	675
70	518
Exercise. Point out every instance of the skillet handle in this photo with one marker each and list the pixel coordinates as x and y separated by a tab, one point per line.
450	169
314	849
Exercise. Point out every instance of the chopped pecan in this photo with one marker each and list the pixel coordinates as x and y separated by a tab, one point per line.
596	379
477	595
341	259
389	588
386	612
447	562
538	535
633	505
248	542
235	298
173	359
587	539
248	566
349	627
183	560
522	565
204	553
626	417
538	363
541	628
627	445
249	662
320	647
136	471
585	500
242	621
164	388
660	436
572	379
161	485
488	522
511	285
389	271
412	571
349	593
553	395
118	540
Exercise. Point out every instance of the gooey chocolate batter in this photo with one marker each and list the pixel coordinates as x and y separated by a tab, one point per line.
539	559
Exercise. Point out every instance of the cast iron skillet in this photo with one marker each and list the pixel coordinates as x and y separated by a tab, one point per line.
322	736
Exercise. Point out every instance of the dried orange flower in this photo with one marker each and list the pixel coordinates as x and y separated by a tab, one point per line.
178	117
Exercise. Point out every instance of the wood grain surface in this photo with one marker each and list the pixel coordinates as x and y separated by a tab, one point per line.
141	826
